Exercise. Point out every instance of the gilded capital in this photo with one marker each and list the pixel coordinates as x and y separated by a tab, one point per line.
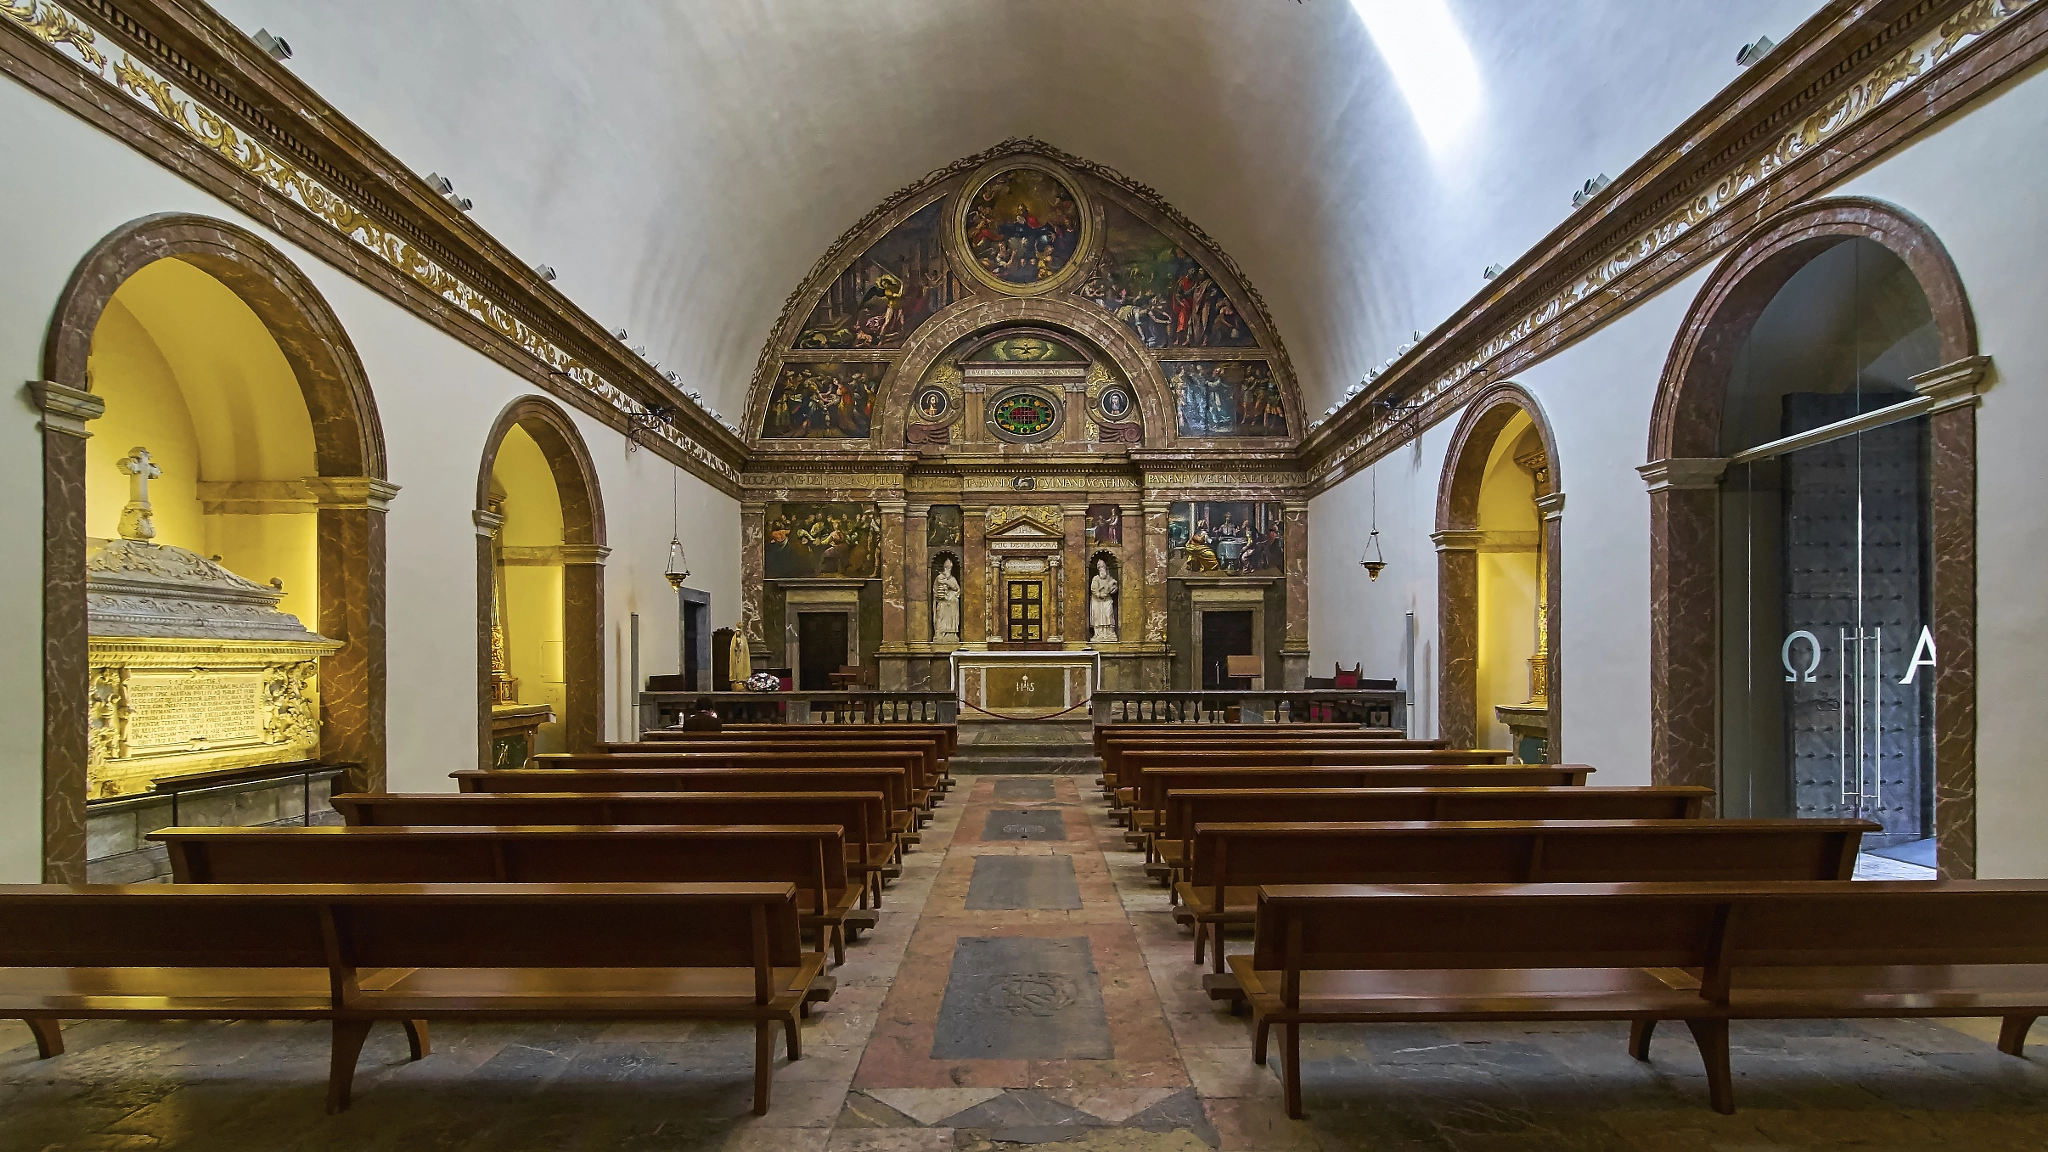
1684	473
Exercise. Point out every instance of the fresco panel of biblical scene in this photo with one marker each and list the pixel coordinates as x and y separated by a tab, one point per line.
1158	290
1234	538
817	540
818	400
1023	226
895	286
1225	397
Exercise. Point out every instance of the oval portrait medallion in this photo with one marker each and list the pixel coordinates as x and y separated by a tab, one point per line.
1024	414
1114	402
1021	229
932	404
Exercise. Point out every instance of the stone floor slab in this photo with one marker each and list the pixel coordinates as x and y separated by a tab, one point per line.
1024	824
1013	883
1022	998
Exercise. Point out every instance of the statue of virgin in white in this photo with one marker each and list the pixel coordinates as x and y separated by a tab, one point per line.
1102	605
946	605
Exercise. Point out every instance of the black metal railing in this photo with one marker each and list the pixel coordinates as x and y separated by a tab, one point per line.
1370	708
666	709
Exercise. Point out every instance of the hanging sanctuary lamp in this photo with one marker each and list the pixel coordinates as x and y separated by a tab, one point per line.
678	570
1372	559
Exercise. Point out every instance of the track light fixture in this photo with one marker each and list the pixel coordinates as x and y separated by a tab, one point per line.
1591	189
274	47
445	189
1492	270
545	272
1751	53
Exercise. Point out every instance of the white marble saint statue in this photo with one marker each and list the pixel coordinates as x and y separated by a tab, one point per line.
946	605
1102	605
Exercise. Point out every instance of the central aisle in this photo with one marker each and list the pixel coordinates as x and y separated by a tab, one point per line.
1023	1005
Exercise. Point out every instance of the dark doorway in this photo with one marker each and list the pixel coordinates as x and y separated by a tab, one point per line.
821	649
1224	634
696	641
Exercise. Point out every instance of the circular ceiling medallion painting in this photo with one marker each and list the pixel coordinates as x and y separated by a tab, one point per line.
1024	414
1022	227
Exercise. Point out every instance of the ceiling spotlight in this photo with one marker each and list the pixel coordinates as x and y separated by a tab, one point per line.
274	47
619	334
1492	270
1592	188
545	272
1751	53
441	185
671	377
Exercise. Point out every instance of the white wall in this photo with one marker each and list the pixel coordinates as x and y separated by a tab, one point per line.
67	186
1598	394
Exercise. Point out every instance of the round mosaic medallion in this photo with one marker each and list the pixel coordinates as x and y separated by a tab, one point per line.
1024	414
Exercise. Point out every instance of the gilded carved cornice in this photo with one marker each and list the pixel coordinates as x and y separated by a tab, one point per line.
1847	87
190	72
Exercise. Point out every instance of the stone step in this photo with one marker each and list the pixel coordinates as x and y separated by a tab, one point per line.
1024	765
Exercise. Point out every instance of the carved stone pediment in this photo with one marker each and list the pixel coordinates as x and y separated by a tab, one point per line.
1030	522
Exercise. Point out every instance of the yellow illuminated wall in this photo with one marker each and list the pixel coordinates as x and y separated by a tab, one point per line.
1507	582
530	564
189	372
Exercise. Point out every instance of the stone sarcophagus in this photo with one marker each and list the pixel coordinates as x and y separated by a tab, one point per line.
193	669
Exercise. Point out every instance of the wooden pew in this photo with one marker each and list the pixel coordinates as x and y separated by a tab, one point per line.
812	857
357	954
1165	730
889	782
1232	861
1128	764
925	788
1704	953
917	793
1113	750
948	732
1155	783
1187	807
862	817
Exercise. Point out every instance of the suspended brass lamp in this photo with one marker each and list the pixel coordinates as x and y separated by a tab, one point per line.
1372	559
678	570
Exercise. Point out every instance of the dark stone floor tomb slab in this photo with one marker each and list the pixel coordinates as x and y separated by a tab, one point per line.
1024	791
1010	883
1022	998
1024	824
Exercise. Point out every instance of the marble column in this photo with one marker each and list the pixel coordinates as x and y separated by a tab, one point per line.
975	589
1154	543
1294	653
351	548
917	575
1952	431
66	675
751	542
1685	510
583	652
1457	597
1551	508
1074	525
488	525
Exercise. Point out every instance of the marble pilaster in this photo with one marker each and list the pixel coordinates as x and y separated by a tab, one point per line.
488	525
351	550
1131	563
976	581
917	575
1154	543
583	652
1294	638
1074	526
1685	506
894	560
752	540
1457	691
66	679
1551	508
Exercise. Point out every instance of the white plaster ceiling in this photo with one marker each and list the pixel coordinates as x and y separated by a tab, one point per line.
682	163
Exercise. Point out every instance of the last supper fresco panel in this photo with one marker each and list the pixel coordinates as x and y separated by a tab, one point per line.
1224	538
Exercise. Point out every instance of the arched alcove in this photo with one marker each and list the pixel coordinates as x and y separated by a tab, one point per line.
540	578
1499	515
1813	457
201	337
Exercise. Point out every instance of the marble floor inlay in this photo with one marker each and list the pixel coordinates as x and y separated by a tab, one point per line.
1158	1066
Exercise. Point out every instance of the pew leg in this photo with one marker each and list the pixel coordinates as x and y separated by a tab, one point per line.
50	1036
1201	941
838	944
764	1063
1712	1037
416	1039
1639	1038
1260	1027
341	1062
1290	1072
793	1035
2012	1035
1216	956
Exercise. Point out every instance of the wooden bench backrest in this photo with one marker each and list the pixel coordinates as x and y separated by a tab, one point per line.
1131	763
950	733
1524	851
1116	762
812	857
891	782
927	751
863	816
1155	783
910	761
1186	807
1722	928
1104	733
343	927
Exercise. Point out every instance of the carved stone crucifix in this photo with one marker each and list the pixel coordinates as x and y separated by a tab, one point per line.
137	521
